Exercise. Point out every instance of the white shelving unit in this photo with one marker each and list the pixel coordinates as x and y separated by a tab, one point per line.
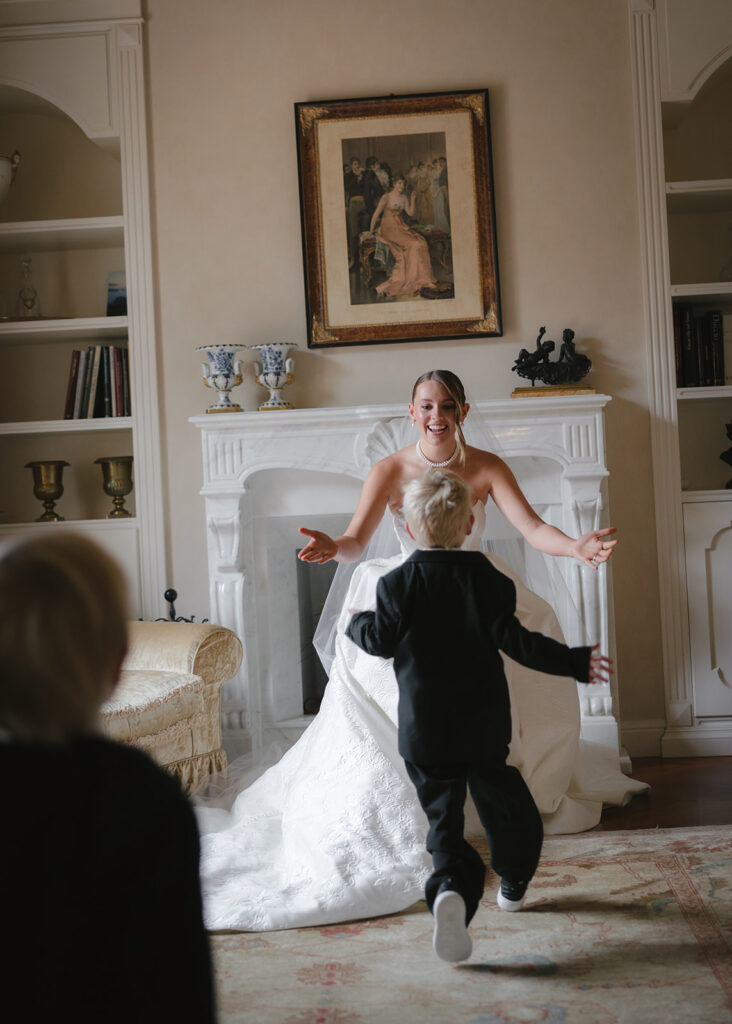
91	328
680	58
55	427
90	73
61	235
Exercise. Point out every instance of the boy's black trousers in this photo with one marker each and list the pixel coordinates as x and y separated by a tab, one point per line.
506	810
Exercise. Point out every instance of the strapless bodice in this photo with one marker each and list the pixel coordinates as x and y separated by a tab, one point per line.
471	542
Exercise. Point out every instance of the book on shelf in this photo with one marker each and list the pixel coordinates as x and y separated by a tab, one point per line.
126	406
86	383
93	381
703	352
71	386
113	381
98	383
107	379
79	383
727	347
716	345
117	377
689	347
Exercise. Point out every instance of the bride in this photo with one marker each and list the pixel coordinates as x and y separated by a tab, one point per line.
334	831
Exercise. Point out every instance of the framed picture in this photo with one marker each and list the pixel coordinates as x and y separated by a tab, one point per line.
398	219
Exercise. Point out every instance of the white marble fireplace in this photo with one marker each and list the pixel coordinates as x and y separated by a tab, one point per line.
267	473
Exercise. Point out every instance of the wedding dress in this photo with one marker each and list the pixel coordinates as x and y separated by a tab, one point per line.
334	832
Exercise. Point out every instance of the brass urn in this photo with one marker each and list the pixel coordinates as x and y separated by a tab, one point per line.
48	486
117	482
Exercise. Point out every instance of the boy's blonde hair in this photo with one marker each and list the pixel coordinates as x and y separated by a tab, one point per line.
63	634
437	506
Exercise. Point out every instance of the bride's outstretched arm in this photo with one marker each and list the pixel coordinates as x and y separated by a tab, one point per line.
591	548
350	545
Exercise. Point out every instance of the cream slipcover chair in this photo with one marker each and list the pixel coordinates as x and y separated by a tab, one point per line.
168	700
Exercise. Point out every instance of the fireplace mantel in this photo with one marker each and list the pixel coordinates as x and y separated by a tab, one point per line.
266	473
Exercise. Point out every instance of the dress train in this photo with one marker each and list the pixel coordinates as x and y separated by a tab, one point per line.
334	831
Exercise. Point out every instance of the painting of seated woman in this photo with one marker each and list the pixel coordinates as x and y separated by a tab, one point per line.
400	246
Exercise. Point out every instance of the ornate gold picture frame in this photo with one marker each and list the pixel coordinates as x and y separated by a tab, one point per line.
398	219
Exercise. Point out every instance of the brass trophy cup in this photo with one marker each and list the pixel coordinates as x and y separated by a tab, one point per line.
117	482
47	486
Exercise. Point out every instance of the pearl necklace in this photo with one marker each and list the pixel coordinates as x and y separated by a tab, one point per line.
436	465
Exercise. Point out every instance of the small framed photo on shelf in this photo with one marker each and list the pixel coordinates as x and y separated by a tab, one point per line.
116	294
398	219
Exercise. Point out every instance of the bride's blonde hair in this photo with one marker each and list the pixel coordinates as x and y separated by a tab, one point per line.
437	506
454	387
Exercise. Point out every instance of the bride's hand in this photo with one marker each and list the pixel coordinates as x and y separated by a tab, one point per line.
601	667
320	548
594	548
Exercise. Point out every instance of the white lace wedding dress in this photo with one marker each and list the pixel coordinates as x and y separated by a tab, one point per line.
334	832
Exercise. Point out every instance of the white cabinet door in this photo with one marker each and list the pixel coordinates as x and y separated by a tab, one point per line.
708	546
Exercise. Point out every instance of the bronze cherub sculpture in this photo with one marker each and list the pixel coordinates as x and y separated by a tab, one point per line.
569	368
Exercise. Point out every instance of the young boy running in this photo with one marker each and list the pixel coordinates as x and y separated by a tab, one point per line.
444	615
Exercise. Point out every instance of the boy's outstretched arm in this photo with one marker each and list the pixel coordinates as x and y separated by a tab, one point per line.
601	667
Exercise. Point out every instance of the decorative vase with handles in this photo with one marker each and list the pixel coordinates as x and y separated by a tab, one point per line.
222	374
274	372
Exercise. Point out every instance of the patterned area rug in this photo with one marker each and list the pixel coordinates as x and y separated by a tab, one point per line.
618	928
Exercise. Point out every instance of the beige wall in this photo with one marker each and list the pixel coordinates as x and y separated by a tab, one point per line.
223	77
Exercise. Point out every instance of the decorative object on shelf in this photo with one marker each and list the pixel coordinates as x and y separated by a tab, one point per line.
170	596
8	168
274	372
727	456
29	305
116	293
561	376
117	482
223	374
48	486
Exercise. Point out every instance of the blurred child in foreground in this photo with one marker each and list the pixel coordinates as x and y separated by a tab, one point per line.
99	864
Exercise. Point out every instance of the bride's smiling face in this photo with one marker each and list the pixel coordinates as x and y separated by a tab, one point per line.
434	412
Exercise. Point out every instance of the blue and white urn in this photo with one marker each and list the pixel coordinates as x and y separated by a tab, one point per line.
274	371
222	373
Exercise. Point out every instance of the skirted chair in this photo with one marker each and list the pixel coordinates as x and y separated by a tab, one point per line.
168	700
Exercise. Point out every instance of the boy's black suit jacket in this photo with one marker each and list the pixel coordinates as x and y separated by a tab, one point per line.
444	616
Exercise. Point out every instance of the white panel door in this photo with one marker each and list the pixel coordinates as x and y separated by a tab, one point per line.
708	543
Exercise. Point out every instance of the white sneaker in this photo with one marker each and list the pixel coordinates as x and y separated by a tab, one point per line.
511	895
451	940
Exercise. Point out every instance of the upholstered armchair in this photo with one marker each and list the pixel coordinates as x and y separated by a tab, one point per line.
168	700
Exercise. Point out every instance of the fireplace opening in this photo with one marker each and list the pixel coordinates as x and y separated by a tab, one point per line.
313	584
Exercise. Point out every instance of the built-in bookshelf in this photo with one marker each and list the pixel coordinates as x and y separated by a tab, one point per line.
682	77
699	215
699	220
79	210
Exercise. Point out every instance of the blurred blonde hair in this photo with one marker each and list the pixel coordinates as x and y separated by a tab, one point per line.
63	634
437	506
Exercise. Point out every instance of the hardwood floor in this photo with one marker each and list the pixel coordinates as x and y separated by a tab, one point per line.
685	791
